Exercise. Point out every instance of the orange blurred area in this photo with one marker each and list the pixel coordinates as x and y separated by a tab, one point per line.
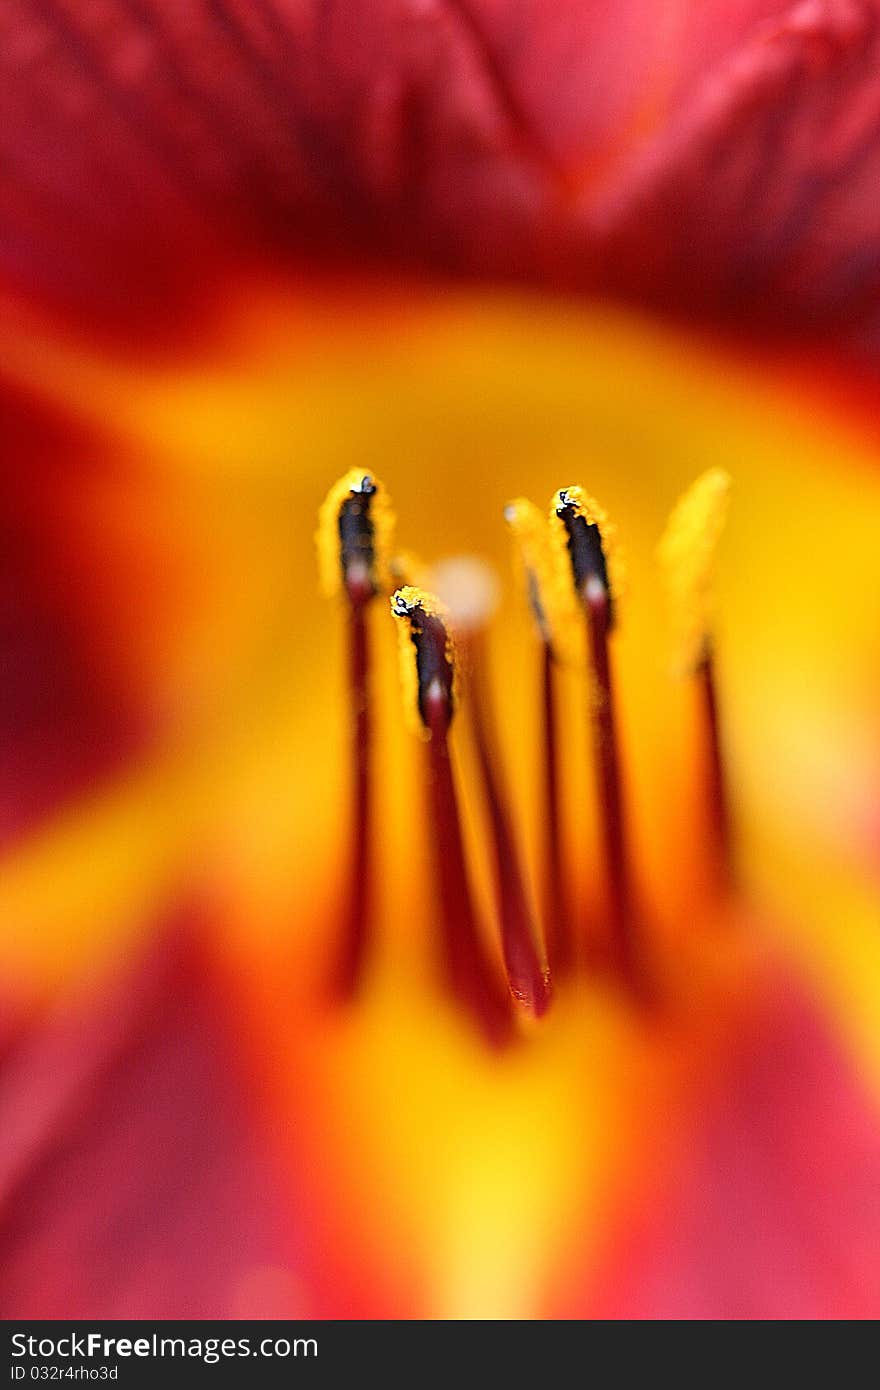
461	1181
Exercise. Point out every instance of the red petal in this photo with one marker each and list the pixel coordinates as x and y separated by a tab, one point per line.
773	1210
719	155
759	198
132	1176
63	723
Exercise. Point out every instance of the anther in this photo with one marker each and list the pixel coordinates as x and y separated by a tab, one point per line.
357	557
429	680
587	555
355	529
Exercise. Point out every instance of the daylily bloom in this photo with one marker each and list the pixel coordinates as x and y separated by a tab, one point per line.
246	1063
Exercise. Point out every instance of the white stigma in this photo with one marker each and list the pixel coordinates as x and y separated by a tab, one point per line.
469	588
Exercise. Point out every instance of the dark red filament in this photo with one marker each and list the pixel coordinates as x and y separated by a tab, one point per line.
715	786
472	979
527	975
557	928
356	919
609	787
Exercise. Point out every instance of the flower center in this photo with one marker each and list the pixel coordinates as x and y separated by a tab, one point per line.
573	579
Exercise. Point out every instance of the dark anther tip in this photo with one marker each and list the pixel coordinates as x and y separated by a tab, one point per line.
400	606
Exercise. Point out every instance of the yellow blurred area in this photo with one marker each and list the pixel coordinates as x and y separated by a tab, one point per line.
458	402
475	1177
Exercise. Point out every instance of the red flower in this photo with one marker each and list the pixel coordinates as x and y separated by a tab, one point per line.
237	190
715	156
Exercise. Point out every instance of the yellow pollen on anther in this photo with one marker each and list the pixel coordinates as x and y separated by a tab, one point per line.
586	506
686	554
406	606
382	523
547	575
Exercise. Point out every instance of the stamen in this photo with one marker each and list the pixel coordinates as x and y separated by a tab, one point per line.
716	799
426	650
355	930
528	977
354	532
470	589
582	527
355	528
356	556
687	553
547	598
587	556
557	915
424	635
590	540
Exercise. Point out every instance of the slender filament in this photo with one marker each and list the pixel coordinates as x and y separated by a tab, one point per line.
715	793
557	926
470	972
356	918
527	975
609	788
